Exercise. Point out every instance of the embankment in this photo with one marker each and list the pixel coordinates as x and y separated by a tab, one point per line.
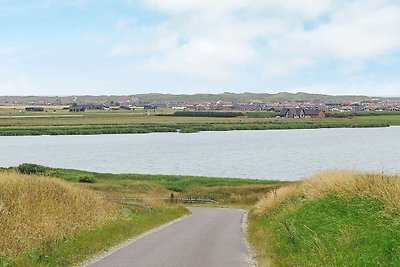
332	219
49	222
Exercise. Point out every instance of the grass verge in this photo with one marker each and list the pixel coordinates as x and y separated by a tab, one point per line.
36	209
50	222
332	219
72	250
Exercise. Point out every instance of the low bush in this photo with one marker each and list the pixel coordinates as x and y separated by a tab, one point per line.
29	168
87	179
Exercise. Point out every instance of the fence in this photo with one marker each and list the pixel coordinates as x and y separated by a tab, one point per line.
167	200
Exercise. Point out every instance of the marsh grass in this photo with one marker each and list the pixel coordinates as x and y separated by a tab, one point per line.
101	122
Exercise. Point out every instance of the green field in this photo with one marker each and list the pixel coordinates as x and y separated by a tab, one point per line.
15	121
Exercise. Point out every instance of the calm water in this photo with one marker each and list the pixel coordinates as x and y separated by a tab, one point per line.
284	154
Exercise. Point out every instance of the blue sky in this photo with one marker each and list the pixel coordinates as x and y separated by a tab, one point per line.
63	47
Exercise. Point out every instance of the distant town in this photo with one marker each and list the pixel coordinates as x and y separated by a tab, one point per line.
315	106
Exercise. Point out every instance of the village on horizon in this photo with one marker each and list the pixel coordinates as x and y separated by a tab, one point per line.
287	105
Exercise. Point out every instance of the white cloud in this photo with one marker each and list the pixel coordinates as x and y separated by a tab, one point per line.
147	40
216	38
197	46
360	30
355	32
19	86
284	66
257	42
204	57
196	6
303	10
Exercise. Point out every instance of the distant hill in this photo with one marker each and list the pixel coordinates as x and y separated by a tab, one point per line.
264	97
156	97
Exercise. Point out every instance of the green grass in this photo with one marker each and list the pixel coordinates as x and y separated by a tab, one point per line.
177	183
73	250
393	120
137	121
193	127
218	114
332	231
243	193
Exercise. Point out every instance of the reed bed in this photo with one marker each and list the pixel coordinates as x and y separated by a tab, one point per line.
36	210
346	184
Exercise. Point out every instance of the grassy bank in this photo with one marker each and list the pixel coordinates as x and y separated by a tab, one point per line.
72	250
36	209
49	222
227	191
332	219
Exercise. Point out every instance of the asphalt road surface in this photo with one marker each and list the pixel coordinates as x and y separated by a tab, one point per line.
209	237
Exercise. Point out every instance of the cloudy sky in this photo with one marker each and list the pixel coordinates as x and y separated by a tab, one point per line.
63	47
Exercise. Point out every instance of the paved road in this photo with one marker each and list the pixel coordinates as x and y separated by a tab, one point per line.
209	237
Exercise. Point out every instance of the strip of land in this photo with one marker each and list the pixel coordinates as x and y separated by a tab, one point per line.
40	116
17	122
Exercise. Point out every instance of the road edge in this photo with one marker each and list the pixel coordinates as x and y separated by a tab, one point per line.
130	241
251	254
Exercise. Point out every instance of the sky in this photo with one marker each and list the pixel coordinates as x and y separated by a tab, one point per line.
120	47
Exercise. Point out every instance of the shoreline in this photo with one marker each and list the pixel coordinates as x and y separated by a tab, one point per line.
179	128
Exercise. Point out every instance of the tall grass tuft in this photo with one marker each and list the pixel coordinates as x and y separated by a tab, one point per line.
35	210
346	184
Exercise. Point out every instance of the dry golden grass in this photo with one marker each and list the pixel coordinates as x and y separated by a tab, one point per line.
245	194
126	189
344	183
35	210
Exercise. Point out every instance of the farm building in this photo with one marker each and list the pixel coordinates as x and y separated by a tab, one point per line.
34	109
77	108
314	113
292	113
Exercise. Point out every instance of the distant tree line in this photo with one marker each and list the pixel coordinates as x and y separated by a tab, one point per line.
262	114
219	114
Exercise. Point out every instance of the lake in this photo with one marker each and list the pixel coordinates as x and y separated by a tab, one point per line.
272	154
